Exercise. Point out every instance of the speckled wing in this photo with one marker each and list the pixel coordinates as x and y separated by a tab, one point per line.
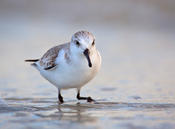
49	58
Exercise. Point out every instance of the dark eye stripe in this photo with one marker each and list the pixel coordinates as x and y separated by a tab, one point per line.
93	43
77	43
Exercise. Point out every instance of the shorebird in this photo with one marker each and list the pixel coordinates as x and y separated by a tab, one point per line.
70	65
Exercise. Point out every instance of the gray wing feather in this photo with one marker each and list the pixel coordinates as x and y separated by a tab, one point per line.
49	58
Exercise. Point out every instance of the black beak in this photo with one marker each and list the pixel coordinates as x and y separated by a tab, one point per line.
86	53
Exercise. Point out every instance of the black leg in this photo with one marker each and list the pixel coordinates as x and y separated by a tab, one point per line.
89	99
60	98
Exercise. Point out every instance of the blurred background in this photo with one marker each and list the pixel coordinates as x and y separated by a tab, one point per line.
136	39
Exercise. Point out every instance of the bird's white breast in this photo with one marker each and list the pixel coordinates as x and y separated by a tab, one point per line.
73	74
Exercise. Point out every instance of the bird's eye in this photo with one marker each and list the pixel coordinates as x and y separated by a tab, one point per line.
77	43
93	43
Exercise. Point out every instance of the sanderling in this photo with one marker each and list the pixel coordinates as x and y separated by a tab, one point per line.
70	65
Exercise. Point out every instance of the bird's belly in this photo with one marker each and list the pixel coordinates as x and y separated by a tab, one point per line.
65	77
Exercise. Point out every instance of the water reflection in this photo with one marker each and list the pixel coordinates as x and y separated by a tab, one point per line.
83	114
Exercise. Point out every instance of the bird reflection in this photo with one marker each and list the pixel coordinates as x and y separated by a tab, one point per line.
75	112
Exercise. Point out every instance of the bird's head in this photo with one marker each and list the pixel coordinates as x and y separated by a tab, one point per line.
83	43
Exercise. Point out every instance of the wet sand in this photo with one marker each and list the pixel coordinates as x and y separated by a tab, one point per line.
46	113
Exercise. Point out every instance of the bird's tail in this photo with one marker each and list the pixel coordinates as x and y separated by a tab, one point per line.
32	60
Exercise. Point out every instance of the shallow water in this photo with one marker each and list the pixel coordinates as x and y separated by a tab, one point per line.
135	87
46	113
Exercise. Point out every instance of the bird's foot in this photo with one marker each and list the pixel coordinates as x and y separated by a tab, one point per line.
89	99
